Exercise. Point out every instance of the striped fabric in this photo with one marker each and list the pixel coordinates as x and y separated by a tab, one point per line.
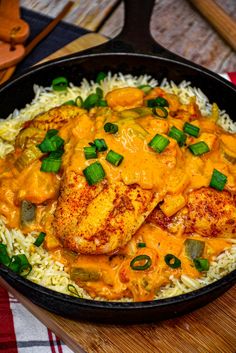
21	332
230	76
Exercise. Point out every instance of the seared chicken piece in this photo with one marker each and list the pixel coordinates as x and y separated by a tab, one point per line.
56	118
102	218
174	224
211	213
208	212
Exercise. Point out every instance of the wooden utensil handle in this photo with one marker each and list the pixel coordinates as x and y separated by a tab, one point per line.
222	22
13	27
10	57
11	23
48	28
6	74
10	8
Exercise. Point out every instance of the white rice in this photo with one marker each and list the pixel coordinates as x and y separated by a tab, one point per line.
50	273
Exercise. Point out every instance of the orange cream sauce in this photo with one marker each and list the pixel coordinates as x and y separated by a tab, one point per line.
174	172
118	280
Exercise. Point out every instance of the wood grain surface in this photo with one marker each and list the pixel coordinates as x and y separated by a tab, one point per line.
177	25
220	20
85	42
210	329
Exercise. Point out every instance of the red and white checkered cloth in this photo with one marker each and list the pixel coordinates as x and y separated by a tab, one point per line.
231	76
21	332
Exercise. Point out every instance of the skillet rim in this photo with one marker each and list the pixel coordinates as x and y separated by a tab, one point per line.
228	280
89	54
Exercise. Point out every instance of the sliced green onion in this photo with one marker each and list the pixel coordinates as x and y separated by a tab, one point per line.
51	144
50	165
50	133
100	77
111	128
46	145
177	135
94	173
70	102
79	101
15	264
94	99
100	144
159	143
201	264
25	271
90	152
160	112
25	267
4	257
73	290
57	141
162	102
218	180
151	103
157	102
142	258
56	154
141	245
99	92
114	158
60	84
91	101
172	261
145	88
191	129
199	148
40	239
102	103
20	264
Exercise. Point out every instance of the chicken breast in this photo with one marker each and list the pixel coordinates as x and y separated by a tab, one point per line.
99	219
56	118
211	213
208	212
174	224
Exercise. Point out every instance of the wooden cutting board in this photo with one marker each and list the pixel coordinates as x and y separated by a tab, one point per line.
210	329
87	41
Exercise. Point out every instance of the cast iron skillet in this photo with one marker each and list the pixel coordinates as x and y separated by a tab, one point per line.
134	52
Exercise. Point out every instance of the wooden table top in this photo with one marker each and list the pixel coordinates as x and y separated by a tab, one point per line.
176	25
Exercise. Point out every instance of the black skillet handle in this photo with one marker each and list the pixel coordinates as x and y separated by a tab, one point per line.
135	36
